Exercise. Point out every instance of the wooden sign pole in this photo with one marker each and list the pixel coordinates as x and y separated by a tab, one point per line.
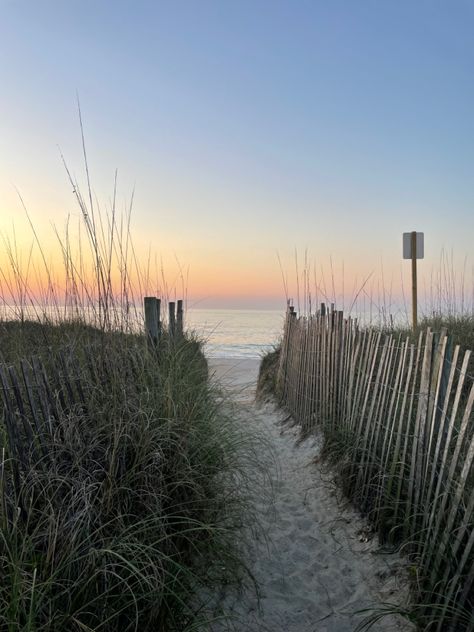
414	297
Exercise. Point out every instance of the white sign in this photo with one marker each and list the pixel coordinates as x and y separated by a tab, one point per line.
420	245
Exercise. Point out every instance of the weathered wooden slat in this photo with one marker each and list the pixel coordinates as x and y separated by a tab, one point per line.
388	422
441	497
330	375
368	460
372	389
27	380
437	469
457	485
317	365
283	359
344	391
437	371
78	382
466	588
18	459
390	425
292	362
282	378
366	373
65	379
55	384
338	366
30	441
380	416
452	580
413	431
294	369
320	368
311	378
292	365
333	374
16	446
417	455
302	371
356	345
47	402
299	371
395	477
305	376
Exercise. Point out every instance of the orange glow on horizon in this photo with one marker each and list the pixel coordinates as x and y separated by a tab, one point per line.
204	271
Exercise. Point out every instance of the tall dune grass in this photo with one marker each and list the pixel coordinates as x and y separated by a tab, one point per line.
378	299
136	499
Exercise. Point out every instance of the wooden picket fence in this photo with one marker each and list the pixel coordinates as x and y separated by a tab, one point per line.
38	393
401	416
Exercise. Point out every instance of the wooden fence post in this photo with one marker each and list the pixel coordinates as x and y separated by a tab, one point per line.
179	318
151	320
414	290
172	319
158	316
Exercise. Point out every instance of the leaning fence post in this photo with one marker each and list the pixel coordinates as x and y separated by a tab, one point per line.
179	318
172	319
151	320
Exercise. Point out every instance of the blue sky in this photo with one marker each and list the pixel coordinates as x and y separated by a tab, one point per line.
248	128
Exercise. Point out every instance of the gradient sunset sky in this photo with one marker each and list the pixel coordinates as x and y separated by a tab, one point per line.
247	129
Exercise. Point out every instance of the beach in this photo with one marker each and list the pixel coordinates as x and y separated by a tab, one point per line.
317	563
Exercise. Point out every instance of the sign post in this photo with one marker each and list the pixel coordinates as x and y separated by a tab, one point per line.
413	248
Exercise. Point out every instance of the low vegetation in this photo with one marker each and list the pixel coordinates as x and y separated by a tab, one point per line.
459	327
123	476
129	500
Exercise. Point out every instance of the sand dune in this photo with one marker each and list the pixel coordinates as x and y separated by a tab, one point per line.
316	563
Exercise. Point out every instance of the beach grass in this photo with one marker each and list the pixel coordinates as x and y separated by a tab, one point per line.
124	509
460	328
132	505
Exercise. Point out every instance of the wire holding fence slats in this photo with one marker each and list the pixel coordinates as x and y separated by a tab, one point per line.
403	414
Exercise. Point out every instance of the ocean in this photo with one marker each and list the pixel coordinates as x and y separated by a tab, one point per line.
236	333
227	333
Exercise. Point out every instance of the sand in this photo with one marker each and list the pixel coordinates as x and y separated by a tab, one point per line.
316	562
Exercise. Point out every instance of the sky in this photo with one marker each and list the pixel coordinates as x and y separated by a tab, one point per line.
247	131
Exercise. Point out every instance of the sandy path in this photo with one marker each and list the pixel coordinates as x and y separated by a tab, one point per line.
315	567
